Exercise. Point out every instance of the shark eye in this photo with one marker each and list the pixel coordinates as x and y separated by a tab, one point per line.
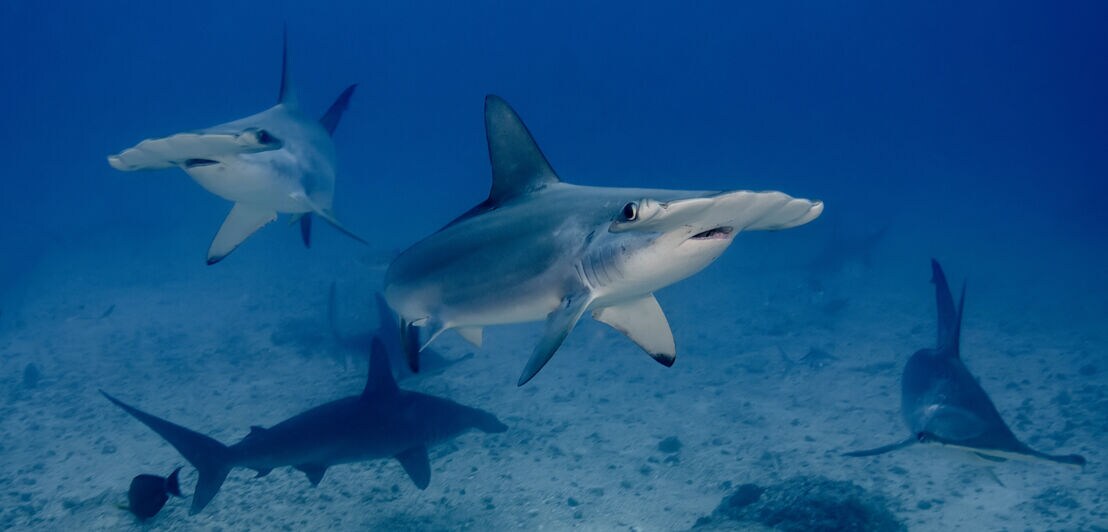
630	212
264	137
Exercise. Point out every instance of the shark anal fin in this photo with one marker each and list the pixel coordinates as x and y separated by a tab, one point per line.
883	449
643	321
242	222
518	165
314	471
380	382
558	325
417	465
330	119
471	334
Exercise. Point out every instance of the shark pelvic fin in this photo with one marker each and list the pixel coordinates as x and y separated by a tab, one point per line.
518	165
558	325
643	321
315	472
242	222
287	94
472	335
330	119
409	341
380	382
417	465
306	229
329	216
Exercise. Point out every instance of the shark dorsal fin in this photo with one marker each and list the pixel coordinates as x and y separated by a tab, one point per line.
330	119
287	95
950	318
381	381
518	165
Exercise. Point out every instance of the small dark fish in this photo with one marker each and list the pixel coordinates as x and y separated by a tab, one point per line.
150	492
107	312
815	358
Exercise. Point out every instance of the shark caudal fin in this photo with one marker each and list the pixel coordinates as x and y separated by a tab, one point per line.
211	459
950	318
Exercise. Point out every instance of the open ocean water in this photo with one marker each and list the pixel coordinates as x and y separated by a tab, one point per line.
972	133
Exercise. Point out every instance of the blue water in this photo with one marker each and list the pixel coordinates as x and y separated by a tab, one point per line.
975	133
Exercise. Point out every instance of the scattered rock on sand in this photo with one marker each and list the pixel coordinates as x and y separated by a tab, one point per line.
802	504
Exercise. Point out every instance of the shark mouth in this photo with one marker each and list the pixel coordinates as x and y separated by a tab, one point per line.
718	233
193	163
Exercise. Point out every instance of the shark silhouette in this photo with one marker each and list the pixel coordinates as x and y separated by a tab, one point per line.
942	402
384	421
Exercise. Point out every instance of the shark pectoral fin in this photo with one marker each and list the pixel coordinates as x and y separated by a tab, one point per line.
558	325
242	222
315	472
643	321
884	449
417	465
188	149
434	328
471	334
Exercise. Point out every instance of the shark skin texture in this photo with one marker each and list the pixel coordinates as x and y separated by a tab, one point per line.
540	249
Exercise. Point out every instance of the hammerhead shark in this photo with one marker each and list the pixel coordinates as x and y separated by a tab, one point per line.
383	422
542	249
942	402
278	160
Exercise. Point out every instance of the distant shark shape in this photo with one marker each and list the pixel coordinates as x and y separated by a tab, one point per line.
842	250
542	249
279	160
942	403
383	422
431	361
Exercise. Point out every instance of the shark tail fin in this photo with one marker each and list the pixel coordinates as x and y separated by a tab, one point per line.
172	484
380	382
950	318
211	459
286	95
330	119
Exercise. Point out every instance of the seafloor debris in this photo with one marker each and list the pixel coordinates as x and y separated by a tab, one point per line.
803	503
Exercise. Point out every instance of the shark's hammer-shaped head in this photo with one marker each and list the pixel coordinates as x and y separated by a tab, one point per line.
666	236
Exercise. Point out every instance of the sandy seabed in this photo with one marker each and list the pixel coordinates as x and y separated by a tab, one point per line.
246	343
